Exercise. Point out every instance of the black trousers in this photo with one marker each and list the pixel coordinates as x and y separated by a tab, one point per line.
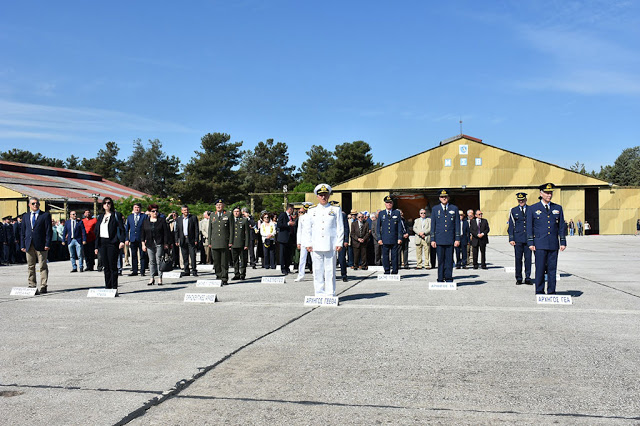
286	254
188	252
136	249
109	254
483	255
89	254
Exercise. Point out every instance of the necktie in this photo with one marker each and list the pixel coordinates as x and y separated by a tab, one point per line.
522	209
461	232
135	220
547	208
33	220
478	223
73	227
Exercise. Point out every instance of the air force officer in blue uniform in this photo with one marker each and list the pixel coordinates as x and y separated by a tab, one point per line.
390	230
445	235
518	238
545	226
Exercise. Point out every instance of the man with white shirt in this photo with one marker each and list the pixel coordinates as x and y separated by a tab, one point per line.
545	226
325	236
35	242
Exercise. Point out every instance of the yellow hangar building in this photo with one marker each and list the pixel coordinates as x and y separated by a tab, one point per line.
487	177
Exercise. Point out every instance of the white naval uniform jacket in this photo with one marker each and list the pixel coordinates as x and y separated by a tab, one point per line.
325	230
303	231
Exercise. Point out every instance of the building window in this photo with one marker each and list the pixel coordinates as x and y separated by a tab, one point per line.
478	161
463	161
447	162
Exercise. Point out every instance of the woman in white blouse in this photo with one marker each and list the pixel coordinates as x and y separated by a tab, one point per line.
268	233
110	237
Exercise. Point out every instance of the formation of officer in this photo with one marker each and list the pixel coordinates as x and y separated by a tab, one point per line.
546	235
220	240
518	238
390	232
445	235
240	245
325	237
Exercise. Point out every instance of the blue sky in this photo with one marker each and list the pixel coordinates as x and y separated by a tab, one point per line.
554	80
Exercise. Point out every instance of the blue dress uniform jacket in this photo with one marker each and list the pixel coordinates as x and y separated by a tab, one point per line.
390	230
518	234
547	232
518	224
445	225
445	231
390	227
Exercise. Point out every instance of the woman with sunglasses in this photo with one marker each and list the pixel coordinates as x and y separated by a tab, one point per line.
155	240
110	236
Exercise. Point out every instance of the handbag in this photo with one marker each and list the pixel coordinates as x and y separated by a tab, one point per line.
166	263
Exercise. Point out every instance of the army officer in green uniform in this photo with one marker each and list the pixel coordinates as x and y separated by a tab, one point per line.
220	223
239	245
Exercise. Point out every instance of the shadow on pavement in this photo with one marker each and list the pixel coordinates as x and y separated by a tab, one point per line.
362	296
152	290
462	284
572	293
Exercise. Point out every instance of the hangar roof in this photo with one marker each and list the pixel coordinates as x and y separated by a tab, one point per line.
466	161
52	183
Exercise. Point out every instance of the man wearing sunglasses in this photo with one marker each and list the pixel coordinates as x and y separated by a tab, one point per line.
35	243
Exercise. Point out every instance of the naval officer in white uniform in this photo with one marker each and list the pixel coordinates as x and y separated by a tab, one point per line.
325	234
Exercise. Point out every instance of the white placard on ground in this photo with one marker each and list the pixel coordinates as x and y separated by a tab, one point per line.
510	269
272	280
171	274
553	299
204	268
102	292
200	298
320	301
389	277
23	291
209	283
376	268
442	286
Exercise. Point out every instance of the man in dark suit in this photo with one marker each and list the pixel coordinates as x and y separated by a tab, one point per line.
286	238
545	226
133	228
35	242
240	245
479	231
445	234
74	236
461	250
518	238
187	230
17	230
359	235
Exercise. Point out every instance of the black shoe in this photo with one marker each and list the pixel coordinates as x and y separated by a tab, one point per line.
485	267
142	274
345	279
133	274
235	277
43	290
528	281
120	273
225	283
475	267
464	267
253	266
440	281
100	269
186	274
73	270
195	273
542	292
458	267
518	282
553	292
386	272
243	277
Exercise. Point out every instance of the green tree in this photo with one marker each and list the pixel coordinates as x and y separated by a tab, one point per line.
626	169
301	187
151	170
72	162
106	163
21	156
352	159
317	168
266	169
210	174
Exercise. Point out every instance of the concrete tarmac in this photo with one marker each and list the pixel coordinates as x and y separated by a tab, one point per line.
392	352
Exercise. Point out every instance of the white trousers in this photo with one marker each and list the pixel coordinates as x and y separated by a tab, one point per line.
324	272
303	262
